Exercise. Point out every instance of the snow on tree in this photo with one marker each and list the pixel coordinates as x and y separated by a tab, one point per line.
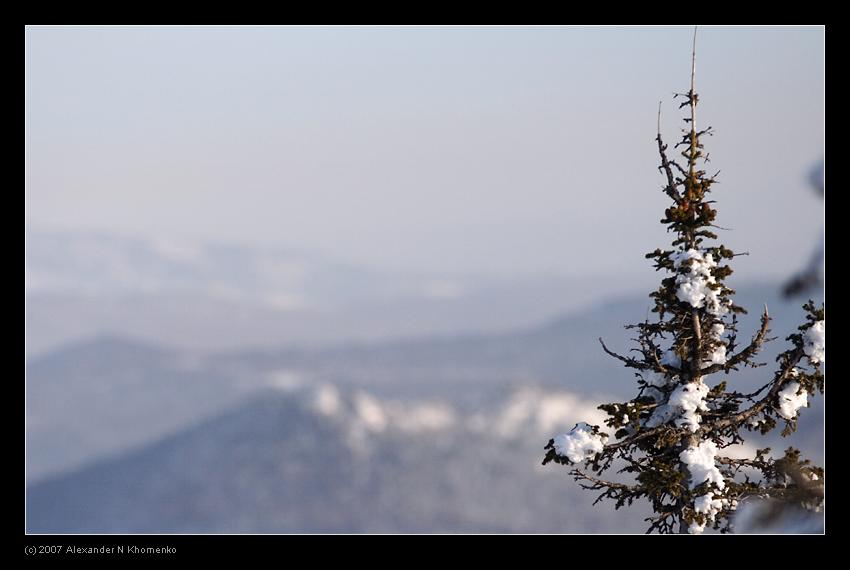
671	436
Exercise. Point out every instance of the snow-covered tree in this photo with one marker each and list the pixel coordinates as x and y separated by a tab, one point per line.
670	438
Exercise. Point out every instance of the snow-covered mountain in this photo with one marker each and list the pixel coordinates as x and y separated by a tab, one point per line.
329	460
323	459
434	434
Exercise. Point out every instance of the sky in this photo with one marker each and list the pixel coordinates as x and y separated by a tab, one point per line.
488	150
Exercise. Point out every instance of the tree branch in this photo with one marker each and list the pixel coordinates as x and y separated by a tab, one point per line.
670	190
629	362
600	483
745	415
641	435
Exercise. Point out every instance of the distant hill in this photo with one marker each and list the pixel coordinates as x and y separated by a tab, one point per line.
329	461
105	395
421	435
323	460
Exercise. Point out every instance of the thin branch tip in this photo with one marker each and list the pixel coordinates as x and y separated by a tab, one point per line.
694	59
659	118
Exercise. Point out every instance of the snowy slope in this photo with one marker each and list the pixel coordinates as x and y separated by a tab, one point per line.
325	460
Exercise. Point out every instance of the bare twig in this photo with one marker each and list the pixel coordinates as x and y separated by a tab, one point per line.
629	362
600	483
665	163
692	100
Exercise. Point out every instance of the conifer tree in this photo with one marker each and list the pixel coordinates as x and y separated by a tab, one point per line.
670	438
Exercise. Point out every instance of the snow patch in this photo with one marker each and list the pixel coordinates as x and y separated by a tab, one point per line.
532	408
694	285
684	404
369	412
580	444
790	401
814	343
670	358
710	507
700	463
425	417
327	401
718	355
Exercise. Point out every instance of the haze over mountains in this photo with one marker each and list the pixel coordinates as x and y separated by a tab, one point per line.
430	433
220	297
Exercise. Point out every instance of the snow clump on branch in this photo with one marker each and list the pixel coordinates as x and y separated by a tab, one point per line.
718	355
580	444
814	347
790	401
700	463
686	401
694	287
710	507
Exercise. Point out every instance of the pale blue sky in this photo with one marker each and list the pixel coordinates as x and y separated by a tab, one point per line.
486	149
